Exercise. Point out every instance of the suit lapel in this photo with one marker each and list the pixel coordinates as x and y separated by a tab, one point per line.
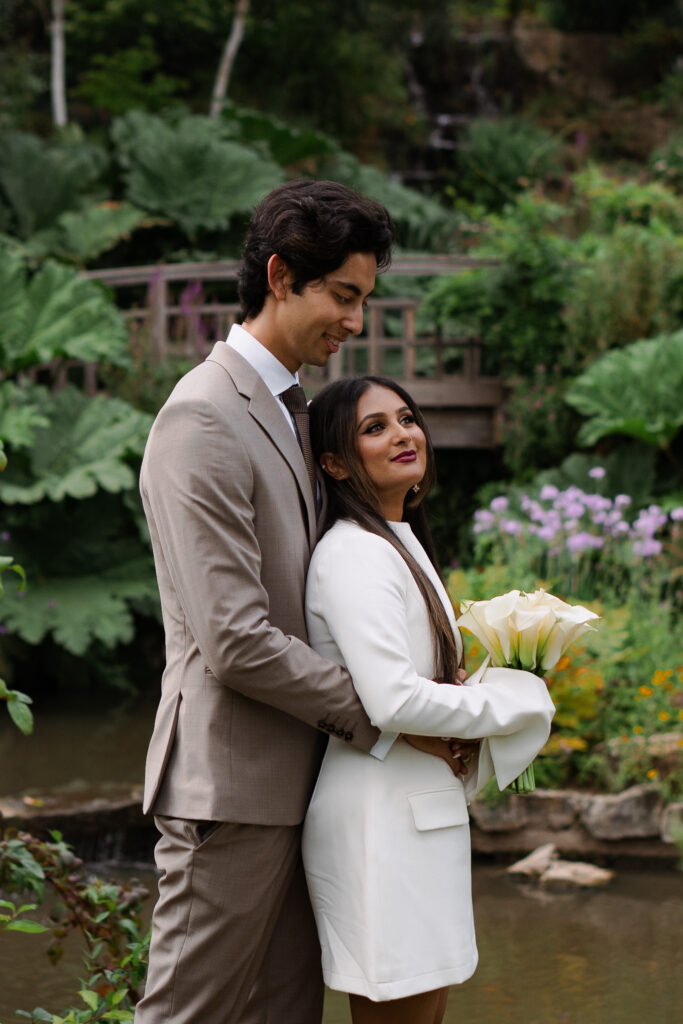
265	410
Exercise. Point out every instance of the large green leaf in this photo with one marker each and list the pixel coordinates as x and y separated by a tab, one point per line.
635	391
423	223
83	235
287	145
76	610
39	180
83	448
56	314
185	171
22	411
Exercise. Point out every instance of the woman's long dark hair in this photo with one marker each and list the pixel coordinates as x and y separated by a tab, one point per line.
334	429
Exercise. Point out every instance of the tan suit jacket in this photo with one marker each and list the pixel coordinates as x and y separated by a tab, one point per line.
245	704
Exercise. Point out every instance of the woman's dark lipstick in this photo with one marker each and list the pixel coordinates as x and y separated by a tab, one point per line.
405	457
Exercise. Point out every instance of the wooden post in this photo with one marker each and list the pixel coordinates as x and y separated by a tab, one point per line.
157	296
409	343
375	331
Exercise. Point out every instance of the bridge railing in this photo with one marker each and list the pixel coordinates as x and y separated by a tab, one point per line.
167	308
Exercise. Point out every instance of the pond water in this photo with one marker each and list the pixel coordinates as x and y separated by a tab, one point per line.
612	956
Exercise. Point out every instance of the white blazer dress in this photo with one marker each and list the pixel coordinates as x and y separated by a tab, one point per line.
386	842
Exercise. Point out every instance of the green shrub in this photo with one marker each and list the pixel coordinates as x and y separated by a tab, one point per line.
499	158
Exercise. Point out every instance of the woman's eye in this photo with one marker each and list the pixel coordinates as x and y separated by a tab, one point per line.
373	428
344	299
408	419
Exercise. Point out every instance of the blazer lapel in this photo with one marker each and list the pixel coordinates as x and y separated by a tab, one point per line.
265	410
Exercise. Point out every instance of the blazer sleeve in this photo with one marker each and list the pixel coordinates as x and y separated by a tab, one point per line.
361	592
197	485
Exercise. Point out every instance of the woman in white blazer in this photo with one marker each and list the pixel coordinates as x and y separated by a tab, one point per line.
386	843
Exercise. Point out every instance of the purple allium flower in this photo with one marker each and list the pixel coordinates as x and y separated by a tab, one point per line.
646	547
548	492
579	542
500	504
511	526
622	501
546	533
597	472
5	535
574	510
677	513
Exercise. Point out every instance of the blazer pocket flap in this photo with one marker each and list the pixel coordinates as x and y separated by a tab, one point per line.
439	808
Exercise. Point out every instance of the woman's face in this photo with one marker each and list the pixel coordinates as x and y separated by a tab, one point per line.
391	447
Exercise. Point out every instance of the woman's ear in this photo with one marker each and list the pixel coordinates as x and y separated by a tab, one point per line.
334	466
279	276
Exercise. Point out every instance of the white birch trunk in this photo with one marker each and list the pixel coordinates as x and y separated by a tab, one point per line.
232	45
59	115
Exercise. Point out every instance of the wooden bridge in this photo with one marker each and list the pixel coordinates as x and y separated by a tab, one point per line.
168	311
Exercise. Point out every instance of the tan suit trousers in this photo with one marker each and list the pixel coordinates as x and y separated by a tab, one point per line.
234	941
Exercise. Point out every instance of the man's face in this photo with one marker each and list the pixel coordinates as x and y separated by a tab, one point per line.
313	325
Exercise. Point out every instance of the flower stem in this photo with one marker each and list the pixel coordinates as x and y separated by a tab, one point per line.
526	782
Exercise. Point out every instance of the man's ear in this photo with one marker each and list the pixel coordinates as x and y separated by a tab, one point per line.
279	276
334	466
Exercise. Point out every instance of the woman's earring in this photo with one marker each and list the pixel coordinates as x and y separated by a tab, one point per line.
415	488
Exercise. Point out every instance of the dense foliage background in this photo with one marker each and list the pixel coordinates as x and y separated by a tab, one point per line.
543	135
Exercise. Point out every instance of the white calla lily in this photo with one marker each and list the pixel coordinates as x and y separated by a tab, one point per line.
527	631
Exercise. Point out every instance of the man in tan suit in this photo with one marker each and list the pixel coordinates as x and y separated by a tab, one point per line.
246	705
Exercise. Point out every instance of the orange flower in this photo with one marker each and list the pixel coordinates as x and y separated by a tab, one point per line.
661	676
652	774
645	691
637	729
563	663
663	716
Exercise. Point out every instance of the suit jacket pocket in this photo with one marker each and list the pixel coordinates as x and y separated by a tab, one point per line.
439	808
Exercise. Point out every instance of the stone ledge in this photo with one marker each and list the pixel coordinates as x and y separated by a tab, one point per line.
631	825
106	822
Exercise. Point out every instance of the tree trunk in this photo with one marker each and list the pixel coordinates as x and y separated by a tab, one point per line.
58	84
220	87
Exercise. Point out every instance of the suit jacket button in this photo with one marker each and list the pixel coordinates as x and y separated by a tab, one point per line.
322	724
348	736
339	732
330	728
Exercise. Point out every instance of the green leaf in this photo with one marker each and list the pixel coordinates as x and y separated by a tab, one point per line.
634	391
89	997
82	449
84	235
30	927
40	179
78	609
21	715
21	413
185	171
55	314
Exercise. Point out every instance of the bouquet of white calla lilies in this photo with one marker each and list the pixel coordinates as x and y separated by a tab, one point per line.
525	631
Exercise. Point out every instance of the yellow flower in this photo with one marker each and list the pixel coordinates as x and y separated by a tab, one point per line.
663	716
645	691
652	774
637	729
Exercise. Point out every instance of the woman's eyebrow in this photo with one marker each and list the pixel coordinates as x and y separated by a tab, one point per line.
382	415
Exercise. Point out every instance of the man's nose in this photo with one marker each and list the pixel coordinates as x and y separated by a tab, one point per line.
353	321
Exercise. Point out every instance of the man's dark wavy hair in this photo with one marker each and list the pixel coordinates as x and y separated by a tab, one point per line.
313	226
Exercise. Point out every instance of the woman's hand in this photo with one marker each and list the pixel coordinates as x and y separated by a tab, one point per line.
455	752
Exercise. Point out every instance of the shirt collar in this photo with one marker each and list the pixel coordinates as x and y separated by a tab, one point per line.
274	375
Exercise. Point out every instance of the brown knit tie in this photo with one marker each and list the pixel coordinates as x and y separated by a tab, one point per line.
294	400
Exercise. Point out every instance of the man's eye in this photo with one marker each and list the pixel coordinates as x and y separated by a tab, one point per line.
344	299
